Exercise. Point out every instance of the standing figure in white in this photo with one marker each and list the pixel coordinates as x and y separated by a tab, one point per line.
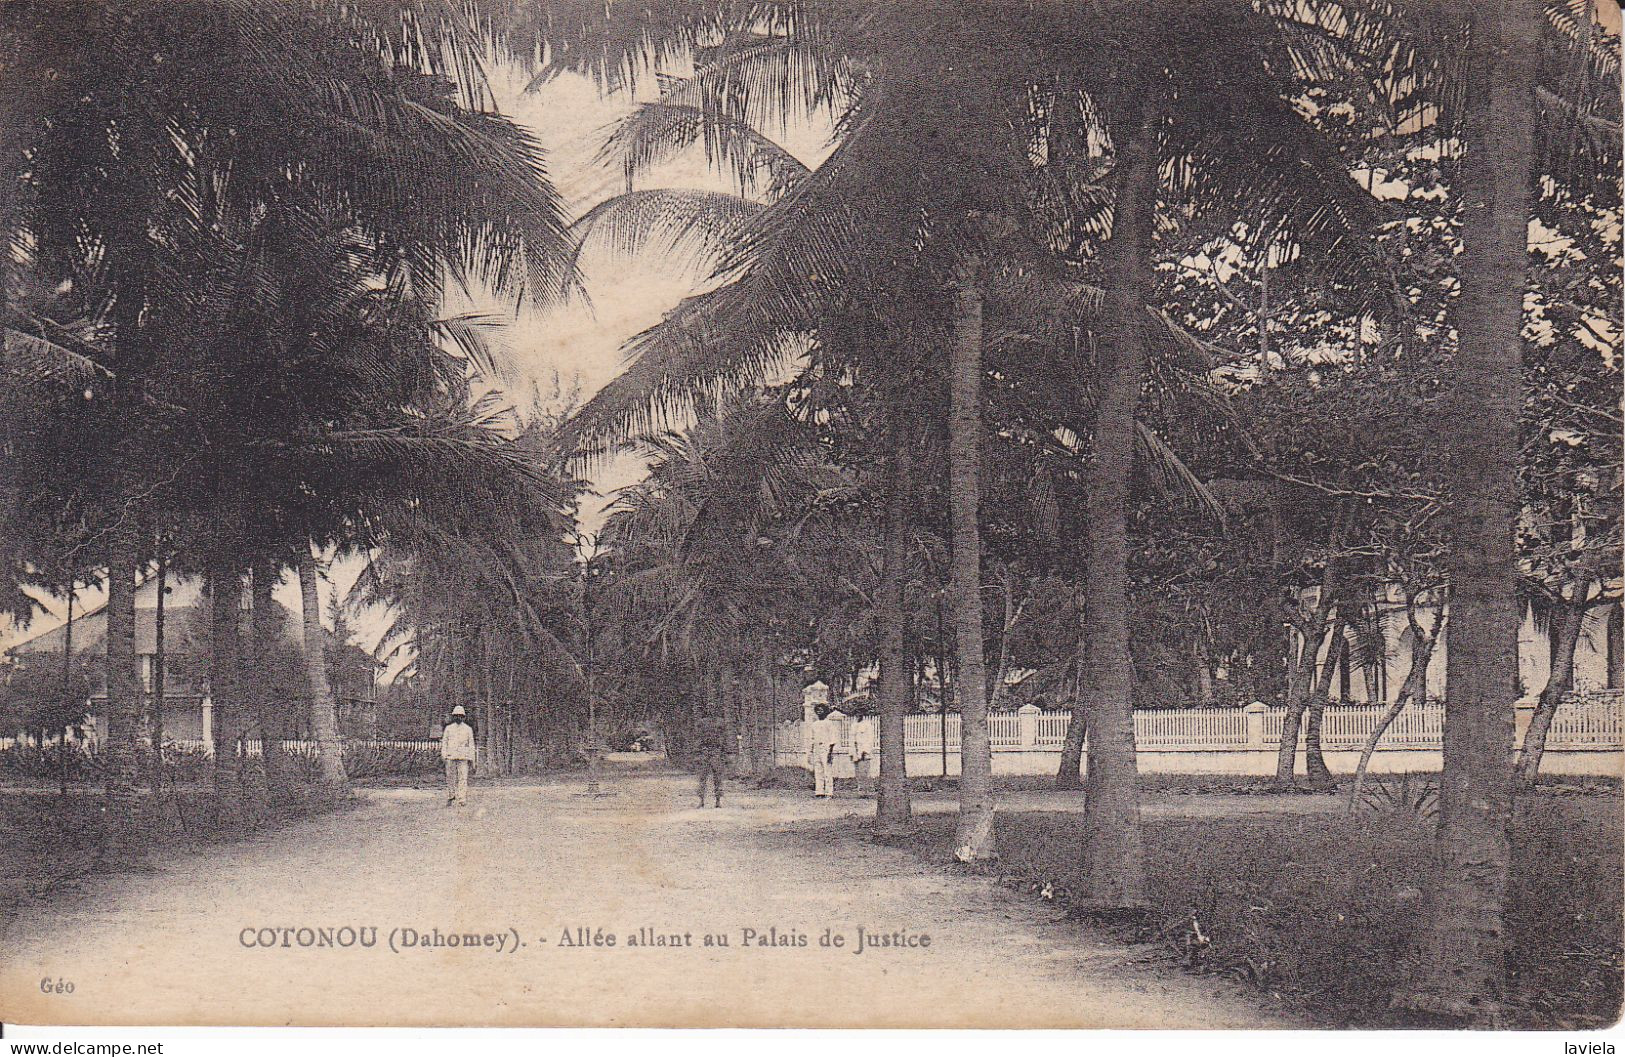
826	733
457	750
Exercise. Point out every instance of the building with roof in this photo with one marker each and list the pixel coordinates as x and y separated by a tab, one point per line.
187	707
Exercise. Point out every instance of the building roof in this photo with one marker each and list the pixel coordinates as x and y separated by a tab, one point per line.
185	611
90	631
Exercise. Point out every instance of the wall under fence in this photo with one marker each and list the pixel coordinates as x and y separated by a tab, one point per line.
1585	739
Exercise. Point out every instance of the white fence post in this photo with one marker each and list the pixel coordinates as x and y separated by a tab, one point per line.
1255	725
1027	725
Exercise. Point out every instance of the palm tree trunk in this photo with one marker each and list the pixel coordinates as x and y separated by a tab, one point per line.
490	731
159	659
1071	771
123	689
751	708
1113	866
974	838
1012	617
745	689
1336	659
225	649
1298	685
1460	964
263	625
1201	675
752	680
129	253
738	722
324	722
893	811
1566	624
67	683
767	706
944	691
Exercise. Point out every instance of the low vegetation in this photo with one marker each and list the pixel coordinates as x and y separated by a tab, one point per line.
1318	910
363	761
50	843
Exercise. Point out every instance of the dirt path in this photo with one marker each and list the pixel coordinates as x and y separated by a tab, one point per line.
538	863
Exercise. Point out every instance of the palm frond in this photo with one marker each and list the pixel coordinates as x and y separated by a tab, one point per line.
695	227
659	132
1171	471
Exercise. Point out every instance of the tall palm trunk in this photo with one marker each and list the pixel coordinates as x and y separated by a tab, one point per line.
159	662
1460	963
67	683
893	811
1012	617
1314	760
759	699
123	689
974	838
225	657
711	706
324	721
1566	624
945	688
734	693
263	625
728	694
1299	685
1070	773
1113	873
123	679
489	709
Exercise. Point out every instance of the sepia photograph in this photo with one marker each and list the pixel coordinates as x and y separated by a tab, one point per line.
820	514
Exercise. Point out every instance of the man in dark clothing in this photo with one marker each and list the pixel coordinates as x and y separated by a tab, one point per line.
712	738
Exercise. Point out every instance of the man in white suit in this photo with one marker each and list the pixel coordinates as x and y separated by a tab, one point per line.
457	750
826	732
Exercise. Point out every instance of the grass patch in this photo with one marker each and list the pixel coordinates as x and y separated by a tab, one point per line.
1150	784
1318	910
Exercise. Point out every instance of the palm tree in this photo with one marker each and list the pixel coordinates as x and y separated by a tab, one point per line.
119	138
893	807
1518	84
467	540
974	837
710	553
324	727
1112	855
697	225
1461	969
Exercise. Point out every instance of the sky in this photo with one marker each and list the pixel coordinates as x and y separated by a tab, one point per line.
580	344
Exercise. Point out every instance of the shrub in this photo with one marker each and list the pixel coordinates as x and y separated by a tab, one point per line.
367	760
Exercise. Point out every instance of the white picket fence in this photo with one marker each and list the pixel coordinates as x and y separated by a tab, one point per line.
1586	722
290	745
305	745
